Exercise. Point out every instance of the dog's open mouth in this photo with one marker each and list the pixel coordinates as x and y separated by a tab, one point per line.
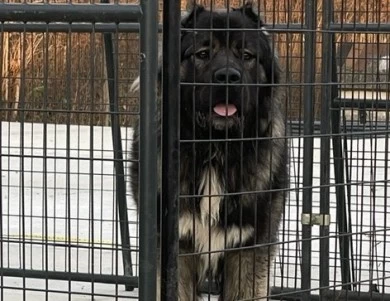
225	116
223	109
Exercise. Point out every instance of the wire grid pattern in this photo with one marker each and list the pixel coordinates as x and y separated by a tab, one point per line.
362	63
58	204
57	217
367	215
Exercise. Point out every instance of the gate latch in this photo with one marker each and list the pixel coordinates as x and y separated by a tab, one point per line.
315	219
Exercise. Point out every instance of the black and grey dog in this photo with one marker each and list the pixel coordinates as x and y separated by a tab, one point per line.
237	168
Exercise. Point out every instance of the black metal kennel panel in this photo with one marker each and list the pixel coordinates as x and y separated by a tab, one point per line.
344	251
69	227
68	230
335	61
343	245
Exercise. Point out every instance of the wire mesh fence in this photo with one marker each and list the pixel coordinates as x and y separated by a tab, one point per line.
69	222
66	227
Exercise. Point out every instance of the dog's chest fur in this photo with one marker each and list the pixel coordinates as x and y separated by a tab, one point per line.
205	228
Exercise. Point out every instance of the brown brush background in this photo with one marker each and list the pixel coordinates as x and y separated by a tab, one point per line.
61	77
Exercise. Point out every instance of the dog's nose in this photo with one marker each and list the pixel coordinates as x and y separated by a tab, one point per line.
227	76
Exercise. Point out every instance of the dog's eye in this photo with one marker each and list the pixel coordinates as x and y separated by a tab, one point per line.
202	54
246	55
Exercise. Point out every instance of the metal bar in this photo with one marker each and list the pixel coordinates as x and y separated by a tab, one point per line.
295	295
360	27
345	241
341	216
280	27
288	294
170	151
69	12
308	98
296	126
123	26
71	276
346	244
120	185
326	97
74	27
343	52
360	103
338	165
148	150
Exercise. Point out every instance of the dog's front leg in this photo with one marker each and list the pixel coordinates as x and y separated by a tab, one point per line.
246	274
187	278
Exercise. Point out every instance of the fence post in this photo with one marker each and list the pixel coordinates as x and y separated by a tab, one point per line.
341	162
148	150
170	150
120	185
308	98
326	99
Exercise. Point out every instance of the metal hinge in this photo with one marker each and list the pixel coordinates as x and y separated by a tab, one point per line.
315	219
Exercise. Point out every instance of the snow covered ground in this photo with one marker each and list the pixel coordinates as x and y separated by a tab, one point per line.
46	177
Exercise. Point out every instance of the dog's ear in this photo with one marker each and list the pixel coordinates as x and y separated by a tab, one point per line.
193	10
251	10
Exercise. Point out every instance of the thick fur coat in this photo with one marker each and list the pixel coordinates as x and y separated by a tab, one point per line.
232	153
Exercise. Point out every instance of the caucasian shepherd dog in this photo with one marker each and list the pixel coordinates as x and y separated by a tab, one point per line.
238	169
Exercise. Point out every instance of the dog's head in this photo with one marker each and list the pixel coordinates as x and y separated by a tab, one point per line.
228	73
227	69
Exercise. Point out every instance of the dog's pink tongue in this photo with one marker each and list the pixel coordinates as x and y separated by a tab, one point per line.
225	110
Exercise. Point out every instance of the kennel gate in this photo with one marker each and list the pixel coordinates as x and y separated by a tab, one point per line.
107	18
112	19
331	129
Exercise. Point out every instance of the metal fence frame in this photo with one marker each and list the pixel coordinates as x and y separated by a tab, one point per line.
105	18
329	129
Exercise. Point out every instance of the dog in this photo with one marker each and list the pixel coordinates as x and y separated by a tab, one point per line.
237	167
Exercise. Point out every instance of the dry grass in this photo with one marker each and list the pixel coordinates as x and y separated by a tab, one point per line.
61	77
